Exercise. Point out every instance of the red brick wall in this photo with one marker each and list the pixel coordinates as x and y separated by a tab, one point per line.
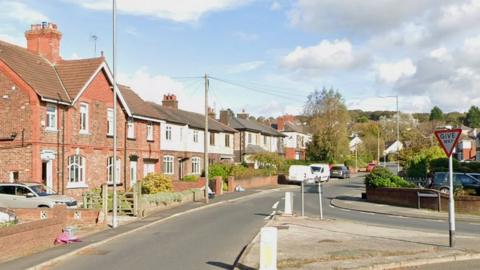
67	216
179	186
290	153
254	182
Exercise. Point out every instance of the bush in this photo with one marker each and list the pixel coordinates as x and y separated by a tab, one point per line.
219	169
190	178
382	177
270	161
155	183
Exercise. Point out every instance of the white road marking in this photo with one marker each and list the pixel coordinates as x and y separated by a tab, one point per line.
438	220
275	205
346	210
331	206
478	224
270	216
399	216
368	213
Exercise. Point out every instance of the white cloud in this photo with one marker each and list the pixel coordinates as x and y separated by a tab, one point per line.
175	10
275	6
152	87
245	67
337	54
392	72
459	14
15	17
440	54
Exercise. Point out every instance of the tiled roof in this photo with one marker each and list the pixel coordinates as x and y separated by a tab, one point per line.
136	104
34	70
76	73
291	127
194	120
254	126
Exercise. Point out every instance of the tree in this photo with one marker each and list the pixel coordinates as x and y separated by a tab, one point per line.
329	119
436	114
472	119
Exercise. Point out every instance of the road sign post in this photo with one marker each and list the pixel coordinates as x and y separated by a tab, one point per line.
448	140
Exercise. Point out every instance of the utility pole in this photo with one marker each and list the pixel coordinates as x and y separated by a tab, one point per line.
398	137
205	141
114	169
378	144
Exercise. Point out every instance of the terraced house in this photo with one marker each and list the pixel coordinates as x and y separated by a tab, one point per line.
252	137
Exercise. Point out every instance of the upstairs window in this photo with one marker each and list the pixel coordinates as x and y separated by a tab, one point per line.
249	138
195	136
150	132
84	118
110	122
51	121
168	133
227	140
131	129
265	140
212	138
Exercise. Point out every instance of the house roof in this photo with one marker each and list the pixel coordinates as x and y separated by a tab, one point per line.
137	105
254	126
254	149
76	73
194	120
35	70
291	127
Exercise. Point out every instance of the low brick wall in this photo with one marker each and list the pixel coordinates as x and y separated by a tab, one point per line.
254	182
24	239
67	216
179	186
407	197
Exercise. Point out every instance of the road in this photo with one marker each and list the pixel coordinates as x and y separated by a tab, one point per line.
213	238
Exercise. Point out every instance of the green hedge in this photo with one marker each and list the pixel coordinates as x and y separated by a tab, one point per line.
382	177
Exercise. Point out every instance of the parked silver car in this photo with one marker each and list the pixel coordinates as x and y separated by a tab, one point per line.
31	195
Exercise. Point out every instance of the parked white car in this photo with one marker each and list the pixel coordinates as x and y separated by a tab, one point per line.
301	173
321	170
31	195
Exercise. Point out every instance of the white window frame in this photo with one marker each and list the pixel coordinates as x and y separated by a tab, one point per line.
110	119
51	121
195	136
211	136
150	132
168	133
84	118
130	129
168	165
196	163
77	163
110	172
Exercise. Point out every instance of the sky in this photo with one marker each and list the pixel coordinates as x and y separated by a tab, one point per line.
266	56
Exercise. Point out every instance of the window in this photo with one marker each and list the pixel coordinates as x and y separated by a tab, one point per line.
195	136
7	190
149	132
84	118
133	172
76	171
148	167
130	129
195	165
110	171
168	133
249	138
212	138
265	140
110	122
13	176
51	122
168	165
227	140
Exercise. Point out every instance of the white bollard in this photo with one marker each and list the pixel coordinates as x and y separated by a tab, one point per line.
268	248
288	204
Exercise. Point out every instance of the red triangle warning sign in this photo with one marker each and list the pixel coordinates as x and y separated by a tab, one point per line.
448	139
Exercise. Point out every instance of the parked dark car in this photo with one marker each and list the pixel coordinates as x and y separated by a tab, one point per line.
465	180
340	172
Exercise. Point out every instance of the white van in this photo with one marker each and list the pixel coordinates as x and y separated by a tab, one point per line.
301	173
322	171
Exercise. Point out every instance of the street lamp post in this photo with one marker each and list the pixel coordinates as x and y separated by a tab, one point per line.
114	169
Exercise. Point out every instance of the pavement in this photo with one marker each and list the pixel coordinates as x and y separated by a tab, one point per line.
356	203
45	259
308	243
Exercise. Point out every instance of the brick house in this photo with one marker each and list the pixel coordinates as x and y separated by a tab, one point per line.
252	137
182	136
295	142
56	116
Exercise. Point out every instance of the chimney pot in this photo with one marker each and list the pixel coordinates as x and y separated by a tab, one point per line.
170	101
44	40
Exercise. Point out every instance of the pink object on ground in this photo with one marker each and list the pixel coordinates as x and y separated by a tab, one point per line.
64	238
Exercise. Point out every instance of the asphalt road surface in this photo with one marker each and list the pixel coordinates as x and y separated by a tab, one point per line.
213	238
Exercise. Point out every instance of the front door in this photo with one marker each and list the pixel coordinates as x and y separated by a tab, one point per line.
180	169
47	173
133	172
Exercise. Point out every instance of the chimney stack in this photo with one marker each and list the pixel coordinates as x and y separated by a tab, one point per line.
170	101
243	115
225	117
44	40
281	120
211	113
